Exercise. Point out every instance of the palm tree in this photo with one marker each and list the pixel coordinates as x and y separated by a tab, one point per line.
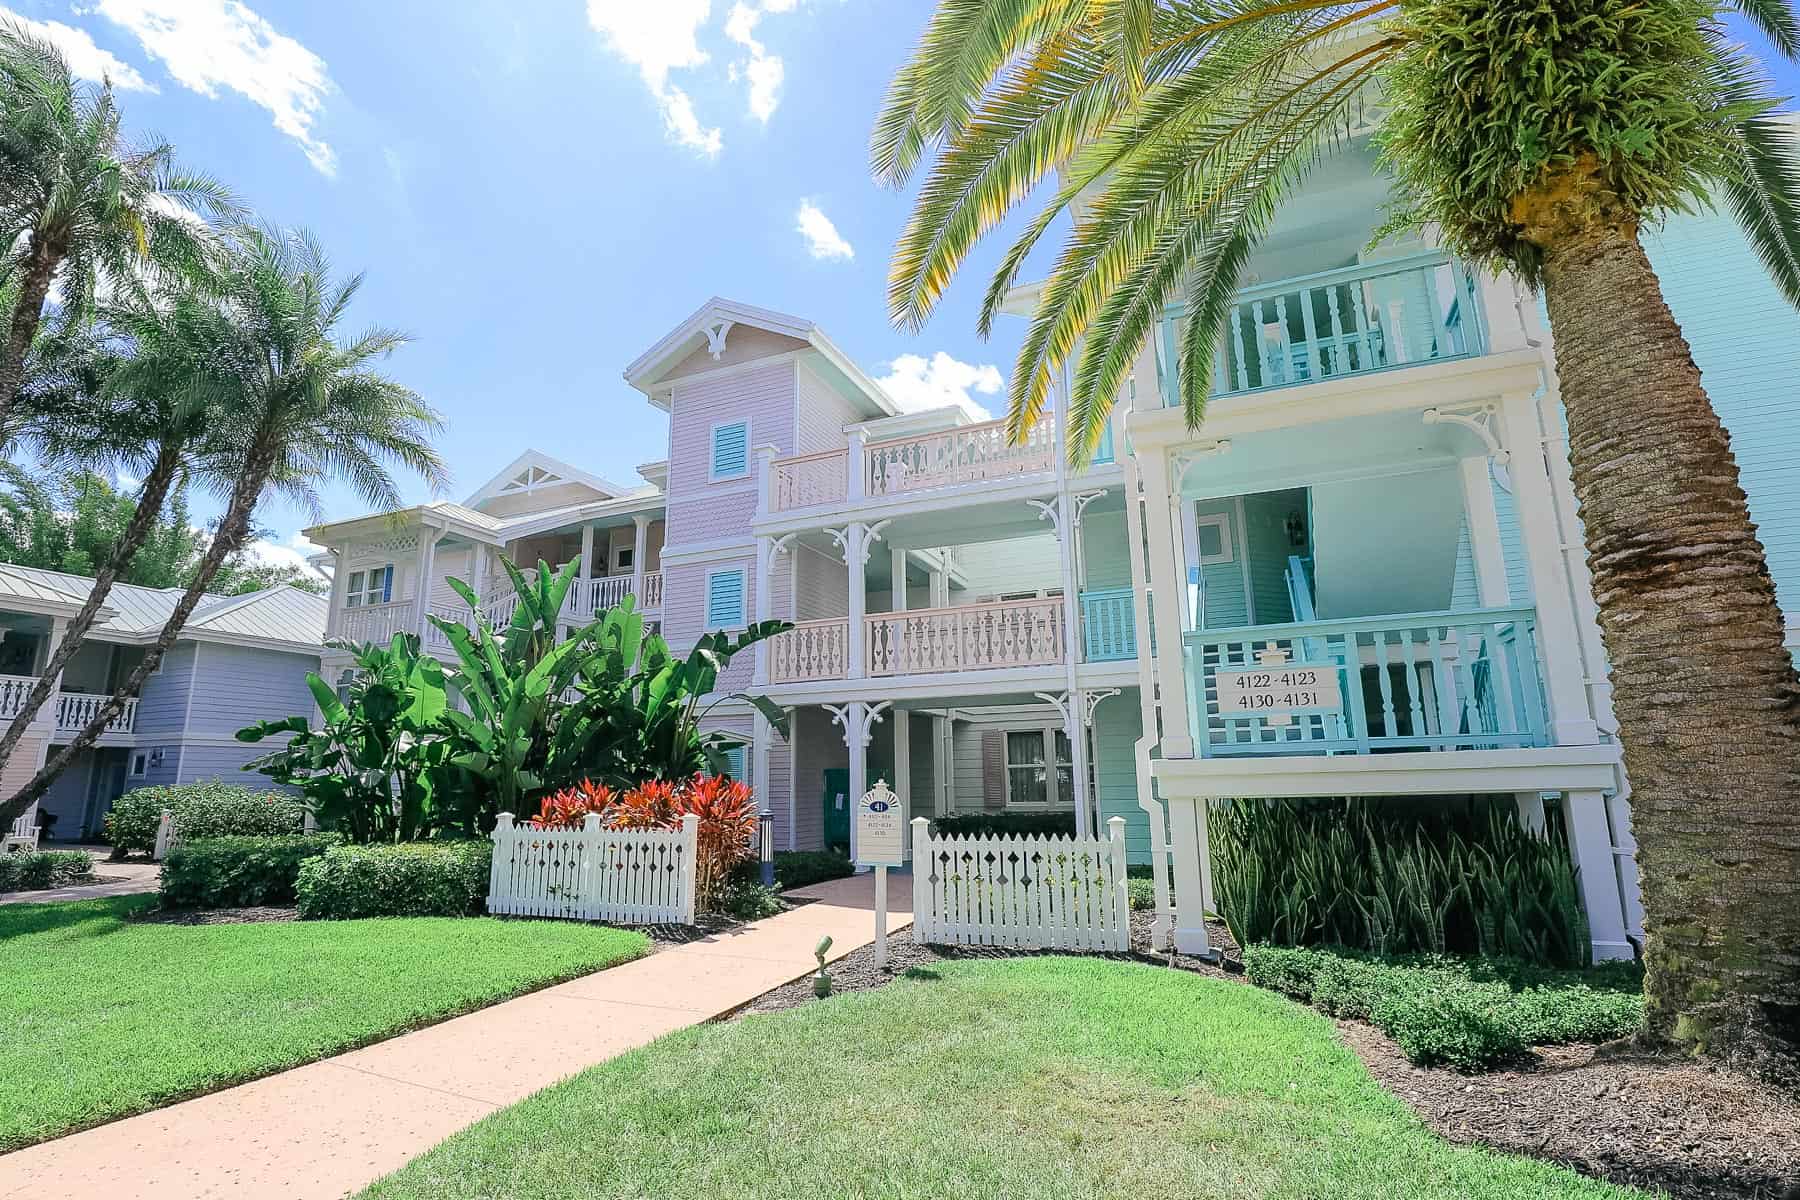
1534	138
304	406
123	394
78	203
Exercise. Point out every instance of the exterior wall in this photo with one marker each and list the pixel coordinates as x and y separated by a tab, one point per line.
1105	551
967	786
544	499
744	343
67	797
200	763
162	709
821	414
762	397
684	611
1740	328
1267	548
821	585
236	686
818	745
1014	565
1226	602
1117	727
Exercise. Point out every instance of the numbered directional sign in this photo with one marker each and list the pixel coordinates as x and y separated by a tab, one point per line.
880	828
1280	690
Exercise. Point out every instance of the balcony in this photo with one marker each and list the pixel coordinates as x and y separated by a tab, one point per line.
1353	321
71	710
585	598
1431	681
970	637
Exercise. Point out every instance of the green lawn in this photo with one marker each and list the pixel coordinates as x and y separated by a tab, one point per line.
100	1017
1040	1077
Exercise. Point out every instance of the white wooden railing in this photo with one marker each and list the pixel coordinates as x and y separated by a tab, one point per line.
13	691
75	709
652	597
595	874
971	637
969	454
1034	893
811	650
377	622
808	480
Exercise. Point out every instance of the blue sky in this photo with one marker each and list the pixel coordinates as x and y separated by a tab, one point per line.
538	191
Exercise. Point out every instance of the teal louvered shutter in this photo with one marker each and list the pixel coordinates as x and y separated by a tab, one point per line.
731	450
725	600
734	763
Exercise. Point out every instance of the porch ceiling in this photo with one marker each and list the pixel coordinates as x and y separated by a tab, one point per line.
1355	447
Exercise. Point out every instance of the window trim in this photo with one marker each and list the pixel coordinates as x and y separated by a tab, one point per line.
622	550
1221	522
358	597
139	765
712	460
1052	734
743	613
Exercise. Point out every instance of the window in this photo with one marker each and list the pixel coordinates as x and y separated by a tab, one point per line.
731	451
734	762
623	557
1029	778
140	764
725	600
1214	538
373	586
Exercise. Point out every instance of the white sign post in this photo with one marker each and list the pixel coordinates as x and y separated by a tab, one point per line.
880	843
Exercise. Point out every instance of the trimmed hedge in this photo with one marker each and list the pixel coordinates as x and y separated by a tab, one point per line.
201	810
1004	824
1142	893
30	870
415	879
238	872
1467	1013
797	868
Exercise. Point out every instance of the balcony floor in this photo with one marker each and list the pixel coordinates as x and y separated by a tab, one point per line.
1455	772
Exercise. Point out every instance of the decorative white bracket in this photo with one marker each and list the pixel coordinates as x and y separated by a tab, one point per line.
778	547
715	338
870	535
1184	460
1084	705
1480	419
1091	700
858	719
1051	510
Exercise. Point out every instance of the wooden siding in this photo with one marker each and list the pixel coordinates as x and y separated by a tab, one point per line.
1222	584
821	414
201	763
1014	565
684	612
1117	728
821	585
1105	549
162	710
1741	332
818	745
762	398
744	343
238	686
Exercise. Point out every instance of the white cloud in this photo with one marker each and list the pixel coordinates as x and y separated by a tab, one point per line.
822	238
86	60
763	71
657	38
916	384
210	44
292	553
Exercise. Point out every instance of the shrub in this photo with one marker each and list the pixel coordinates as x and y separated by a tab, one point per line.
233	872
1326	872
799	868
34	869
1142	893
414	879
201	810
1468	1013
1004	824
747	900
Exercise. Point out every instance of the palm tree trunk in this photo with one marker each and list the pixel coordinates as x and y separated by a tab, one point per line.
233	528
28	311
1705	692
150	501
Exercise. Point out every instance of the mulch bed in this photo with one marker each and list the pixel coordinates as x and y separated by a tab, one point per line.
1644	1121
215	916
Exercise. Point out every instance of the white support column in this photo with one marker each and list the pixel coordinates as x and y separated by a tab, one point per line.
1559	641
586	570
582	605
479	569
334	616
902	780
640	553
1188	851
762	738
1484	532
428	538
856	462
1591	846
1531	810
856	540
764	559
46	716
897	557
1165	592
857	719
942	746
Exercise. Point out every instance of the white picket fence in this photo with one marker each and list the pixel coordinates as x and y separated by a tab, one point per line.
1032	893
595	874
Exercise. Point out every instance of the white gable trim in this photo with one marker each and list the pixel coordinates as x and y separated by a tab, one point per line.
533	470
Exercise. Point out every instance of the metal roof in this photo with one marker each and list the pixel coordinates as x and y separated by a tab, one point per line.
278	614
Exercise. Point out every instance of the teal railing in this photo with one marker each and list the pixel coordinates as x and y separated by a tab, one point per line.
1428	681
1108	625
1351	321
1103	449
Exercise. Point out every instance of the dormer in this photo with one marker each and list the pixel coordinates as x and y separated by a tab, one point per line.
534	482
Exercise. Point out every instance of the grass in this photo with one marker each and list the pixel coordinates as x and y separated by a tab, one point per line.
103	1017
1022	1077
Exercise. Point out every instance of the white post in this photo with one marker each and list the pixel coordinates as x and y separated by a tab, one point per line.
903	758
1115	834
422	587
1074	731
50	716
764	603
1171	663
503	833
921	852
1484	532
1591	846
1559	647
942	745
881	918
334	616
856	719
765	479
478	570
640	551
165	836
1187	840
584	607
856	487
856	558
690	837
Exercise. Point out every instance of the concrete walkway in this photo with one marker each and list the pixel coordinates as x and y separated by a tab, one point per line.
327	1129
115	879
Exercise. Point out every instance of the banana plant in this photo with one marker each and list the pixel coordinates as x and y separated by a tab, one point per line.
371	769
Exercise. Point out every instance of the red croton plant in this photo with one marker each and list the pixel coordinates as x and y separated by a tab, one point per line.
726	809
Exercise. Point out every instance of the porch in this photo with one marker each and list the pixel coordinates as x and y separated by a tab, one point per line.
69	711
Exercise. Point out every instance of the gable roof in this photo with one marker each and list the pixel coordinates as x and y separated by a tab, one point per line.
534	469
712	322
285	617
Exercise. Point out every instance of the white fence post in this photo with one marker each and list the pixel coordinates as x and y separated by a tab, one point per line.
165	836
499	874
1120	892
690	866
922	872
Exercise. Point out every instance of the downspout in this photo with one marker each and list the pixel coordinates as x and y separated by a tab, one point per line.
1070	519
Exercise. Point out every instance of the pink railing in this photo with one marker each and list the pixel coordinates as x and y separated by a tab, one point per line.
808	480
811	650
974	637
970	454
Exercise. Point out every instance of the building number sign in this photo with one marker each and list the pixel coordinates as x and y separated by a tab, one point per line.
1277	688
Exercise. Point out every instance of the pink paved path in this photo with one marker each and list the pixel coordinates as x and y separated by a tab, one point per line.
327	1129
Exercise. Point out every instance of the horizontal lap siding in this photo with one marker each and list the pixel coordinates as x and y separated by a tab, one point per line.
162	709
684	612
966	786
821	585
1105	550
237	686
1013	565
822	415
201	763
1742	333
818	745
763	398
1117	727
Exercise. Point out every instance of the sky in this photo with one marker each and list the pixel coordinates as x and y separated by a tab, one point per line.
539	191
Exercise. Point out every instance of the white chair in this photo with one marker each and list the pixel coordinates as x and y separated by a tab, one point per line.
24	834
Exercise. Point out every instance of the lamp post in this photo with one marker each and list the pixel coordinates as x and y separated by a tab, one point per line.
765	847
